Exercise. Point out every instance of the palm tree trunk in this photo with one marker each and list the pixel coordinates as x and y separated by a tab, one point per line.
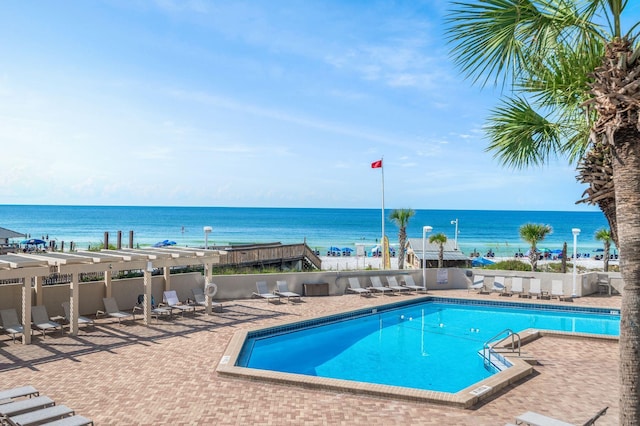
402	248
626	176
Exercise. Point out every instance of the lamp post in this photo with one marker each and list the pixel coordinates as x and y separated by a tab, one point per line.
207	230
425	229
455	238
576	232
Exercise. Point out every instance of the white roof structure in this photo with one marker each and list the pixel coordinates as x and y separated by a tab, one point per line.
31	267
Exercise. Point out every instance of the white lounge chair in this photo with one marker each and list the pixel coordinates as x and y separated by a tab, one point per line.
17	407
392	283
170	299
354	287
263	292
111	309
81	320
411	284
499	287
41	320
517	288
46	415
376	285
200	299
557	290
282	290
9	395
156	311
10	322
535	289
478	284
532	418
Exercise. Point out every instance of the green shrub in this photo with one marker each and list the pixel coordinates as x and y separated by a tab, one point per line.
510	265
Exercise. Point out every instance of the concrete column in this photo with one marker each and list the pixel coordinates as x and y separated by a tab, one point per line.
167	278
207	280
74	303
38	281
147	294
26	310
107	283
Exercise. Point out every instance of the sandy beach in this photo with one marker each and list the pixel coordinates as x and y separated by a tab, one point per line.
351	263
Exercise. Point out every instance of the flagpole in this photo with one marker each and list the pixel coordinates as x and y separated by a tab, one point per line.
384	254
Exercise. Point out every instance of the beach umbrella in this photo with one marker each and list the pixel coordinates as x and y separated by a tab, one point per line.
347	249
481	261
33	241
334	249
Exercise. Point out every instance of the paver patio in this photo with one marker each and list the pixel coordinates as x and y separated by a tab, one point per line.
165	374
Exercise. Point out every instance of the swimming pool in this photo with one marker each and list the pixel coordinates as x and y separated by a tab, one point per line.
430	344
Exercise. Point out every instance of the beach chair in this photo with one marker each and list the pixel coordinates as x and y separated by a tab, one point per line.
478	284
41	320
392	283
170	299
354	287
557	290
156	311
517	288
535	289
376	285
411	284
499	287
10	322
17	407
263	292
13	394
199	299
81	320
531	418
45	415
282	290
111	309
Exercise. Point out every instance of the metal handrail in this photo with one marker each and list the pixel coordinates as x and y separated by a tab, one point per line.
487	345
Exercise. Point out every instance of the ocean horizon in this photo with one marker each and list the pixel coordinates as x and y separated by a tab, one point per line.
320	228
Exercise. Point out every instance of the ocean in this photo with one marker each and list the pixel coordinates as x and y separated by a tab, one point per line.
480	230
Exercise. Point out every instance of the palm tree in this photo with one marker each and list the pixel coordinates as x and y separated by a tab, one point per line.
439	239
573	73
401	218
604	235
533	233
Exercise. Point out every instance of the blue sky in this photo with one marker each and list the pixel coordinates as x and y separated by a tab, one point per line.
230	103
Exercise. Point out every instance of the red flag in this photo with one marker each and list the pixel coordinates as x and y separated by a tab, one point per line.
376	164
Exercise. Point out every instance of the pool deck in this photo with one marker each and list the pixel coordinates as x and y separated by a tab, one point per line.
165	373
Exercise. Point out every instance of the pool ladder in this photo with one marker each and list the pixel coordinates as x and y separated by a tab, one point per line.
488	348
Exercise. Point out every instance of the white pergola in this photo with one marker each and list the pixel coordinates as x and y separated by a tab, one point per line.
34	266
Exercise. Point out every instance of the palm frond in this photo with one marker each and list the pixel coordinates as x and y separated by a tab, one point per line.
495	39
520	137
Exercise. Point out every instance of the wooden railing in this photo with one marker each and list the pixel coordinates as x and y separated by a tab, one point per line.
266	254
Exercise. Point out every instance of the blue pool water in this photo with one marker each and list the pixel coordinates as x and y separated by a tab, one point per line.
430	345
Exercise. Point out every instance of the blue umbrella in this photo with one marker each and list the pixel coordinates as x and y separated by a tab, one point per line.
347	249
481	261
33	241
